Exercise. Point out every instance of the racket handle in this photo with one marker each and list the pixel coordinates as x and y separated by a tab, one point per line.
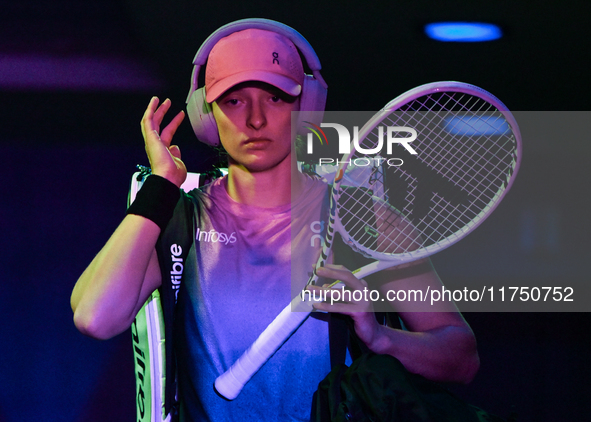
231	382
374	267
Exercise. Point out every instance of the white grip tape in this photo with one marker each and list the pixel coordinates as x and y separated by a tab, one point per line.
231	382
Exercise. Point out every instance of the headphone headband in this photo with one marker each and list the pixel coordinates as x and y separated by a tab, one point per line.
256	23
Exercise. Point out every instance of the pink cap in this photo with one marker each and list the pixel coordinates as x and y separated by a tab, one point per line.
253	55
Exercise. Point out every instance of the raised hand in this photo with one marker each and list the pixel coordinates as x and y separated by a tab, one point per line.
165	159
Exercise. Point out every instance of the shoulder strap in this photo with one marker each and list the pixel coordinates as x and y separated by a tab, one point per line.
173	249
340	327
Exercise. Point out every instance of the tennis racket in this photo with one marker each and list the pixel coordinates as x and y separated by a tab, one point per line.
461	149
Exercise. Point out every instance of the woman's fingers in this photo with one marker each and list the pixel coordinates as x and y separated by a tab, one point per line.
340	273
147	122
152	120
165	160
175	151
170	129
160	113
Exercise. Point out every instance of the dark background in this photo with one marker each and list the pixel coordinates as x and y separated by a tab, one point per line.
75	78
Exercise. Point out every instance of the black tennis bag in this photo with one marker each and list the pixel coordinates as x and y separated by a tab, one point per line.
378	388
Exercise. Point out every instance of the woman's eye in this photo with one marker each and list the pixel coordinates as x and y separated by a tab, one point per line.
232	101
275	99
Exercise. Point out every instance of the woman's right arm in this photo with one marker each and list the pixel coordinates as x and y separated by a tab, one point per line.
118	281
114	287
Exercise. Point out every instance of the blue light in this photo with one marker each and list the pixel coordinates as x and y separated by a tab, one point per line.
463	31
476	125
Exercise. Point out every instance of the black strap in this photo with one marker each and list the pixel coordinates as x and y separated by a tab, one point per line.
181	233
337	336
341	332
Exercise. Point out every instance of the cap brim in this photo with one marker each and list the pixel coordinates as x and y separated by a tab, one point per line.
287	85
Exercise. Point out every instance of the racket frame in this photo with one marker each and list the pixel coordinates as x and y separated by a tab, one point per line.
389	260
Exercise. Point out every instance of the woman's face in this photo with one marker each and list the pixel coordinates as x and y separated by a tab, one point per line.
254	124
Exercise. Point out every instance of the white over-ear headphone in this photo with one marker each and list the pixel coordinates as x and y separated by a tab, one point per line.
312	99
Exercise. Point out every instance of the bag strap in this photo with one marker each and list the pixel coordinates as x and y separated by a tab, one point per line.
341	333
173	249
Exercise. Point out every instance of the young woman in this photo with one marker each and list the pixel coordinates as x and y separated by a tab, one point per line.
266	210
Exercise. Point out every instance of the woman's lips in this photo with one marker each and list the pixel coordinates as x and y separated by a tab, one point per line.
256	143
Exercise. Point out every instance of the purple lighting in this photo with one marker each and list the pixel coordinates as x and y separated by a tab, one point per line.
35	72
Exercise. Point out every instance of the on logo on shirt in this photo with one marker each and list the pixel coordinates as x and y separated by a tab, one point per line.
317	227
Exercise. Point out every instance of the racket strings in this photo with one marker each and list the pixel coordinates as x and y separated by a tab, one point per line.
458	153
465	155
444	212
389	233
455	154
375	224
366	218
434	155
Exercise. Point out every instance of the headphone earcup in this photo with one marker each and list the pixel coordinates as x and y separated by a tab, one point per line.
312	103
201	117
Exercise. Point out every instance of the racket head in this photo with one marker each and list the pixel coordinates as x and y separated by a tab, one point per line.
468	152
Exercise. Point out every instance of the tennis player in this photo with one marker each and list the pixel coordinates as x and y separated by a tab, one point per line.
247	245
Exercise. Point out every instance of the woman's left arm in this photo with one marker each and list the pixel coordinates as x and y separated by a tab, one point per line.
438	343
